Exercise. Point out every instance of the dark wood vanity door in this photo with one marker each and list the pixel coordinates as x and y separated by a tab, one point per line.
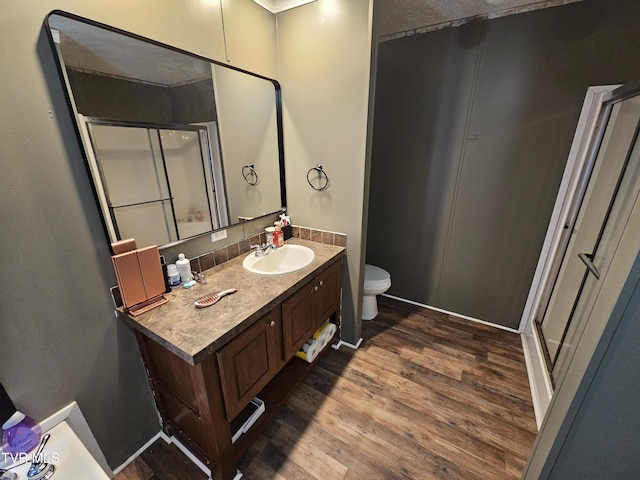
249	362
326	299
177	386
297	320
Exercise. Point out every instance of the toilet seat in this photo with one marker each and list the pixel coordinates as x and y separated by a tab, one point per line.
376	279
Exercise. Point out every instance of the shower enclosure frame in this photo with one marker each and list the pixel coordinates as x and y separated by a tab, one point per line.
578	166
592	125
215	194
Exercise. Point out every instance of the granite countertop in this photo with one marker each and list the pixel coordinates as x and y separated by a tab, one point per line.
193	333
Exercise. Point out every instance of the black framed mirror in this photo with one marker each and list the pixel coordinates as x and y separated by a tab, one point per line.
168	135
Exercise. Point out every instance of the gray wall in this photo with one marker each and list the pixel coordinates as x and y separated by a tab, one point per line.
59	338
472	129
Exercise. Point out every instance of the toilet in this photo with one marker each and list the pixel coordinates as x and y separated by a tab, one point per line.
376	282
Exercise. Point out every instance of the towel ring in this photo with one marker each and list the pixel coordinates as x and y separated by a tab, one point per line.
250	175
322	178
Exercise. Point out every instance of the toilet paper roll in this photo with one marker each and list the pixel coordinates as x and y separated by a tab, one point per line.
323	328
313	351
326	331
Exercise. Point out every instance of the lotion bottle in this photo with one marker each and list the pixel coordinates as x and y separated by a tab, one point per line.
184	268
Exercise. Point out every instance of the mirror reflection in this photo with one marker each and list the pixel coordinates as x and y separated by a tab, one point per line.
168	135
154	180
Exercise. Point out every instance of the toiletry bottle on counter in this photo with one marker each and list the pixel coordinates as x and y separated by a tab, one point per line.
174	275
278	237
269	234
165	274
184	268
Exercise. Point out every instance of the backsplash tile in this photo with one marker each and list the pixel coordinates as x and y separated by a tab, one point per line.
194	263
206	261
340	240
316	236
257	239
220	255
320	236
233	250
327	238
302	233
224	254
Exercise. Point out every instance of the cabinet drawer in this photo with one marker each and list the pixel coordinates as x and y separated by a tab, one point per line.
249	362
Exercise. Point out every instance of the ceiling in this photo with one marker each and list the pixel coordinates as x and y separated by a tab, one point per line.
86	47
277	6
399	16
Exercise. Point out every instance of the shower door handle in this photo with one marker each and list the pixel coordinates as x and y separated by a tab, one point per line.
588	261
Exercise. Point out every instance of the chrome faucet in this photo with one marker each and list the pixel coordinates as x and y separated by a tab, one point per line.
264	249
40	469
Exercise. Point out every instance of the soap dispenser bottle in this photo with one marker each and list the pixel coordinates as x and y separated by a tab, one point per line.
184	268
278	236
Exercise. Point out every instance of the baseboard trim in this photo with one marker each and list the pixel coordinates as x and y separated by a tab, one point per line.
181	447
336	346
126	463
448	312
190	455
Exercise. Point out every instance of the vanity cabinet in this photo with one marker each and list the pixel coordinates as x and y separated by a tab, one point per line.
305	311
202	403
250	361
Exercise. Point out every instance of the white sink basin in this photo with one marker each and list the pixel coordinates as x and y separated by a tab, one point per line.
68	455
286	259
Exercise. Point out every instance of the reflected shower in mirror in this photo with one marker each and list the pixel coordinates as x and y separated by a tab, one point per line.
166	133
156	182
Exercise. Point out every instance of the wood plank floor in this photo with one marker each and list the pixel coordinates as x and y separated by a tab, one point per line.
426	396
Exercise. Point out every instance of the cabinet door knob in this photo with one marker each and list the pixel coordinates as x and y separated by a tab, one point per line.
316	288
272	323
321	282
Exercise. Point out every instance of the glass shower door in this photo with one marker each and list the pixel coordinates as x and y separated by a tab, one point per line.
135	182
597	261
157	182
601	209
183	154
